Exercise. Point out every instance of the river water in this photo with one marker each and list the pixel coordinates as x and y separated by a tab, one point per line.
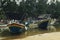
8	36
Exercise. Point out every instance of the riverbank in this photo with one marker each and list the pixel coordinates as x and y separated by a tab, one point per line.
46	36
33	34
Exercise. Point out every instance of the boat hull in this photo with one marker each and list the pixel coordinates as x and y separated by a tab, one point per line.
43	25
16	28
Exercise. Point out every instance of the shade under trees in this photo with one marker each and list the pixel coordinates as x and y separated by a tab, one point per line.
28	8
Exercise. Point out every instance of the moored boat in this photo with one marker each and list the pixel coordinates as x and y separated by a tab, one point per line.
43	25
16	28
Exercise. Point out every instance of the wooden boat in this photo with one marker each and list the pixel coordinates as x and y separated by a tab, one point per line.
16	28
43	25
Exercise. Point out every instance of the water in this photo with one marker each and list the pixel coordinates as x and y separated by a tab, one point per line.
8	36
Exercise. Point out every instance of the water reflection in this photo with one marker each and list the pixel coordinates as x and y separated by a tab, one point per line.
8	36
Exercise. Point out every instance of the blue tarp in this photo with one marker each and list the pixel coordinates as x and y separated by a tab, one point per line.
14	29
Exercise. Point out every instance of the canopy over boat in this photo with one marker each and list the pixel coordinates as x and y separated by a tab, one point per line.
17	25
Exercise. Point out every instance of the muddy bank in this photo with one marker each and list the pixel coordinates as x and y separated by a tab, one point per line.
46	36
31	35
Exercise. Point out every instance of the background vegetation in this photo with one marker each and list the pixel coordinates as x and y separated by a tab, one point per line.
29	8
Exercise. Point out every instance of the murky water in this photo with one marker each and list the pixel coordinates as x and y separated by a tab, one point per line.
8	36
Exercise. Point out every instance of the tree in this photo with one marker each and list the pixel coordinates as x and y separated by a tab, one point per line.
54	10
10	9
2	12
42	7
28	8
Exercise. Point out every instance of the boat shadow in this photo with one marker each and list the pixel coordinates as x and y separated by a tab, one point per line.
9	35
6	33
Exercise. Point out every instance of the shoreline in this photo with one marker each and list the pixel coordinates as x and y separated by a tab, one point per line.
45	36
42	36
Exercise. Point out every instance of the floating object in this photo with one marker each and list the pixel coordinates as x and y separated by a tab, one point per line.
32	25
4	25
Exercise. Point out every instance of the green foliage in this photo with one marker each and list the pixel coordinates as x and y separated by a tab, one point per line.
2	15
30	8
